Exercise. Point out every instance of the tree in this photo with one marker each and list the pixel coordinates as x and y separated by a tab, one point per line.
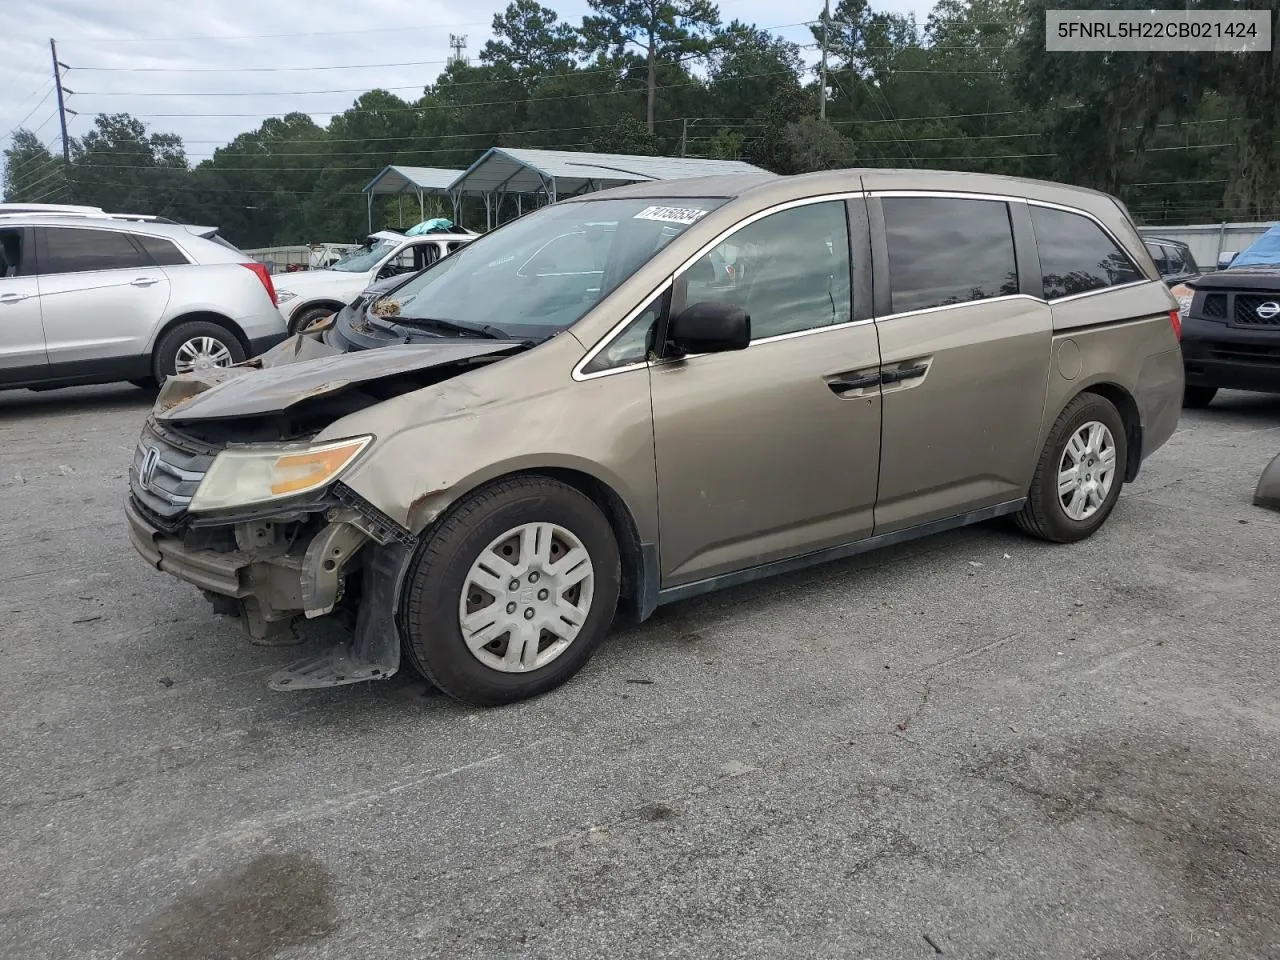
120	166
748	69
31	172
531	41
669	30
814	144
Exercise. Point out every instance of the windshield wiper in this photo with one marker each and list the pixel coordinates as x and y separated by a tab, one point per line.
486	330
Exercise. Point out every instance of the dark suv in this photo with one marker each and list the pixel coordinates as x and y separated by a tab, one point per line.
1173	259
1231	331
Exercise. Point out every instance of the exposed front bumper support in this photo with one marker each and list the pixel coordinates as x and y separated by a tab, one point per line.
373	653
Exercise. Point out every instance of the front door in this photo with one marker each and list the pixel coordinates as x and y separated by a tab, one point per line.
22	352
772	451
965	353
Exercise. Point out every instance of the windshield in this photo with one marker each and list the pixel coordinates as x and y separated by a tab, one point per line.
365	258
542	273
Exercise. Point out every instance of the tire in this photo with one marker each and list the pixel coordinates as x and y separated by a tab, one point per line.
1044	515
308	316
434	601
1197	398
166	352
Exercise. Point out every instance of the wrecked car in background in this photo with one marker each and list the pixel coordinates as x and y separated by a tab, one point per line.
584	413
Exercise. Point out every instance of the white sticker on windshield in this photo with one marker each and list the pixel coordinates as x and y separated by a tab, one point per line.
685	215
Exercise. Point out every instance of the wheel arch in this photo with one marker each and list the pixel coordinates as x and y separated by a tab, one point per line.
638	592
1127	407
207	316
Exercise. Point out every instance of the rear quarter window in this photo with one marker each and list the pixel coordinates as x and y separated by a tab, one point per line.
163	253
1077	255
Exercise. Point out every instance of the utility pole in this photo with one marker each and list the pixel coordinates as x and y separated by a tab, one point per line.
684	135
822	87
62	107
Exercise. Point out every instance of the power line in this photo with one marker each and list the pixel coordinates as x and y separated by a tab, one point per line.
327	66
18	126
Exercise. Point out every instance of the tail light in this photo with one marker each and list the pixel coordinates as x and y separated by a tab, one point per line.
1175	319
265	276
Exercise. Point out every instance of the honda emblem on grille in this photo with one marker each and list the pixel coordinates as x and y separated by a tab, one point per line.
1267	310
148	468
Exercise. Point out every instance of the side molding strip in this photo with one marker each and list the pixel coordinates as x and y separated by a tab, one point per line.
838	552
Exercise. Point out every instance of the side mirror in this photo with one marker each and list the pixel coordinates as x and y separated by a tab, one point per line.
1225	258
712	326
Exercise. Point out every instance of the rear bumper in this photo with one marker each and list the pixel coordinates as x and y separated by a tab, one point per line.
1234	358
260	345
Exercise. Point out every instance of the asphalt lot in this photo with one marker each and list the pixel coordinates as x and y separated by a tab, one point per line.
977	742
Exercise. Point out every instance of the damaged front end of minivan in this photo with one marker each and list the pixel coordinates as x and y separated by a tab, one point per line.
231	491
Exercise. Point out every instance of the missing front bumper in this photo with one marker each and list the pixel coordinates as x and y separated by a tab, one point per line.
271	589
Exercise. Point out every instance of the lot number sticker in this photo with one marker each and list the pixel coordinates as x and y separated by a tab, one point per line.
684	215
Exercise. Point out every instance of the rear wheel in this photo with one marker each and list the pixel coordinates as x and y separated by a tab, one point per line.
1197	398
1080	472
513	592
196	345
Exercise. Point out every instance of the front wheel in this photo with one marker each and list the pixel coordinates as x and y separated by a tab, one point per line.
511	594
1080	472
307	317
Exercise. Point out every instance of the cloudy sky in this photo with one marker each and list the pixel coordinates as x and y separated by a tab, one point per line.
208	71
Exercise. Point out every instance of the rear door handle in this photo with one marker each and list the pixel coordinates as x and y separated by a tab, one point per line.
905	373
844	382
143	282
12	297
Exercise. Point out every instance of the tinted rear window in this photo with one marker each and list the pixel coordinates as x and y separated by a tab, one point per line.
73	250
163	253
1076	255
944	251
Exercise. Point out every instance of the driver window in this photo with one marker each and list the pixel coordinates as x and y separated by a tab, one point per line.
789	271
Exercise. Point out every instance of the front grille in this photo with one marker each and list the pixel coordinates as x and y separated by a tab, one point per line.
1246	310
1215	306
172	466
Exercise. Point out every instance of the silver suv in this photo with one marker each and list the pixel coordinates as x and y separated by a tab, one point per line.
92	297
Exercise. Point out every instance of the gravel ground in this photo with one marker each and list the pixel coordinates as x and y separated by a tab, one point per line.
974	745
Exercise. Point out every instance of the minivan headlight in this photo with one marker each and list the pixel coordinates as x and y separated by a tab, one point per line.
243	476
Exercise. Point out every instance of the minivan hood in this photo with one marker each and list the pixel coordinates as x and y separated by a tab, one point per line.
302	369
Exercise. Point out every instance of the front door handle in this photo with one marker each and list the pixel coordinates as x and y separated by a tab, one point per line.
844	382
905	373
143	282
12	297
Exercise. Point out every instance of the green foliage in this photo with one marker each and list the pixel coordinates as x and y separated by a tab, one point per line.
1179	137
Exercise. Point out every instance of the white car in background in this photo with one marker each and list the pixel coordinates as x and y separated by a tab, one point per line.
312	294
93	297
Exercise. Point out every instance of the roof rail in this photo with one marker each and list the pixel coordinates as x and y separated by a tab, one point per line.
87	215
55	208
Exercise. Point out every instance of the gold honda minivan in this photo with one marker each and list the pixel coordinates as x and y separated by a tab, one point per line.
643	394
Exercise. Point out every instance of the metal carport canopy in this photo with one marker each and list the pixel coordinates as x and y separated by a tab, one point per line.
559	173
395	179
